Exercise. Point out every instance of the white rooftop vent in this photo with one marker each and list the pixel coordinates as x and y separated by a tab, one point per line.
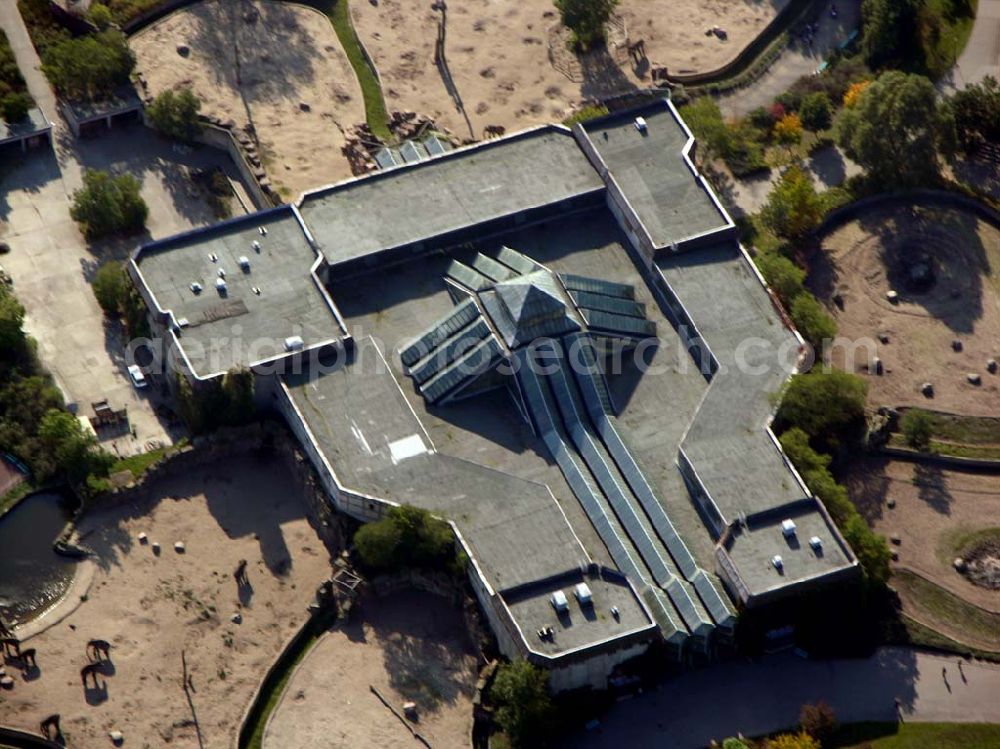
640	124
220	284
788	528
559	602
255	290
244	263
196	287
256	245
816	543
213	257
777	562
583	594
221	272
183	322
294	343
262	230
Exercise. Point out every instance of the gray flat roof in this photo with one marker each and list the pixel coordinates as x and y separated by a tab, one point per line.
461	188
736	460
753	548
34	123
375	445
580	625
124	99
240	327
649	168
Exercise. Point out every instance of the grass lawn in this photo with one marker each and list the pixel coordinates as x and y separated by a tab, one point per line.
943	608
957	542
916	736
954	449
376	115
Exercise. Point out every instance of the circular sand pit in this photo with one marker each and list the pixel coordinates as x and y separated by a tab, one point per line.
982	564
921	275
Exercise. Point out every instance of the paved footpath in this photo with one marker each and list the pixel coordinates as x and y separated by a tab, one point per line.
765	696
981	56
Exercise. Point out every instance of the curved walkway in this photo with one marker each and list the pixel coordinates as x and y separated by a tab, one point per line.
765	696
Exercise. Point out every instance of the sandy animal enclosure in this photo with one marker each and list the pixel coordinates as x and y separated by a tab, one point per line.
936	510
865	258
411	646
497	54
151	608
278	65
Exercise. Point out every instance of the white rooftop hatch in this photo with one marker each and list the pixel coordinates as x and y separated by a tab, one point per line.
640	124
244	262
778	563
816	543
196	287
583	594
788	528
256	245
294	343
407	447
559	602
220	285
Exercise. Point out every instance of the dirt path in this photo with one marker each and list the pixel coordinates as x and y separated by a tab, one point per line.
151	608
276	65
412	646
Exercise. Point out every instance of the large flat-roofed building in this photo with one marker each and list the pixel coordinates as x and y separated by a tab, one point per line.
553	341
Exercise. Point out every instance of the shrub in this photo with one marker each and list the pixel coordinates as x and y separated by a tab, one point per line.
520	693
89	67
977	113
588	112
108	204
110	286
812	320
406	537
100	15
918	428
818	720
76	452
14	107
11	320
175	114
586	19
217	404
782	275
816	112
827	405
801	740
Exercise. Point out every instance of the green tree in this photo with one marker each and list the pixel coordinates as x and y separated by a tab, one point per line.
110	286
586	19
14	107
889	29
108	204
793	208
812	320
406	537
524	708
734	743
918	428
100	15
897	130
782	275
829	405
977	113
870	548
175	114
816	112
76	452
11	320
89	67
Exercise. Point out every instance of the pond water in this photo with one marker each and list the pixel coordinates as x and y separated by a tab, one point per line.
32	575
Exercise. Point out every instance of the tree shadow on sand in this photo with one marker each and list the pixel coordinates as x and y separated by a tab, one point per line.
932	487
869	486
237	517
425	647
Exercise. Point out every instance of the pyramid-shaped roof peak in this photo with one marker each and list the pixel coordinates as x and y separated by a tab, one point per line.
532	297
